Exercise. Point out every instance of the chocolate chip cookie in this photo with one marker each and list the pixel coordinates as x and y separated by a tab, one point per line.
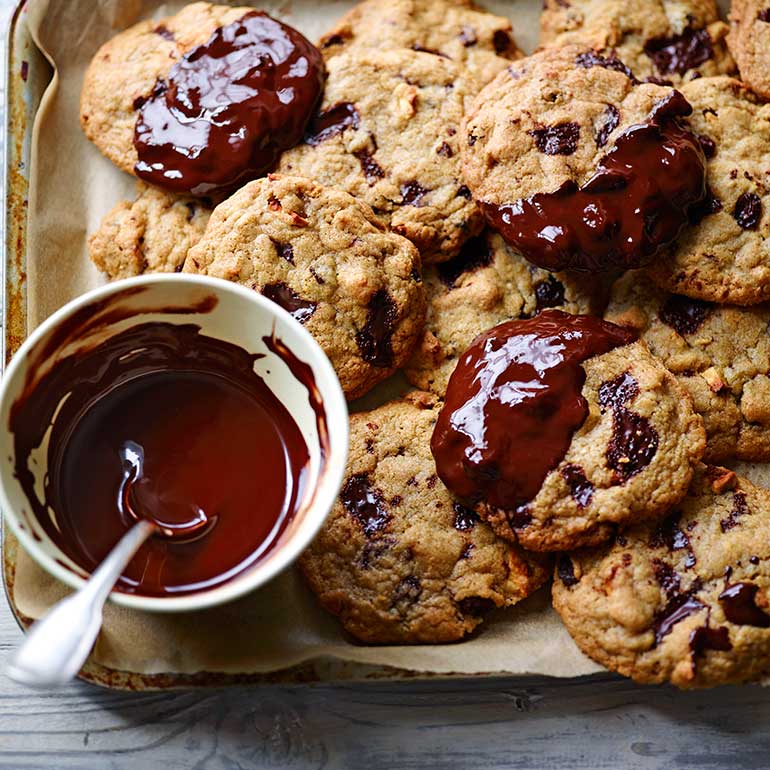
719	353
558	429
570	159
686	601
481	43
388	133
485	284
400	560
723	257
658	40
749	42
150	234
324	257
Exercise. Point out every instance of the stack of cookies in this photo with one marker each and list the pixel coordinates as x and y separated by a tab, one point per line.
566	254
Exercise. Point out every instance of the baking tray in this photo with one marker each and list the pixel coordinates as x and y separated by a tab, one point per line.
27	75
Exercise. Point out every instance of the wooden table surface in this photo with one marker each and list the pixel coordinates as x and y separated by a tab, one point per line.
591	723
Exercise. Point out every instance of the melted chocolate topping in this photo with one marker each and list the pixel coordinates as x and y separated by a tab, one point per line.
636	203
680	53
739	603
171	424
513	403
229	107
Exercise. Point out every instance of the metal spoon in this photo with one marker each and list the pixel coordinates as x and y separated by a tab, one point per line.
59	643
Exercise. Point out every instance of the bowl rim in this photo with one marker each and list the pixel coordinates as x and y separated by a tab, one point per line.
327	485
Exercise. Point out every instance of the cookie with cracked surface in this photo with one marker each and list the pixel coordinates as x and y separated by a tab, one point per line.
125	69
559	429
388	133
724	256
399	560
670	41
150	234
324	257
564	149
719	353
480	42
686	601
749	42
485	284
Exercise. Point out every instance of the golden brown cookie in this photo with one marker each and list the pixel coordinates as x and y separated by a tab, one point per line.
399	561
719	353
686	601
326	259
749	42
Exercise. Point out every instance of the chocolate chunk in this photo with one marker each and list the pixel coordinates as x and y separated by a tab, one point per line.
754	559
331	122
365	504
708	144
475	605
611	120
667	577
475	253
520	517
375	548
290	301
580	488
677	609
432	51
372	170
708	206
549	292
412	193
684	315
318	279
228	107
374	339
740	508
502	41
164	32
467	551
445	150
468	36
618	391
611	62
407	591
633	444
680	53
285	250
559	139
704	638
670	536
739	603
465	518
658	81
463	191
748	211
764	15
565	569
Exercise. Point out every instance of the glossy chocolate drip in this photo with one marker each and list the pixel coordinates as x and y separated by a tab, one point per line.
739	603
635	203
228	107
170	423
513	404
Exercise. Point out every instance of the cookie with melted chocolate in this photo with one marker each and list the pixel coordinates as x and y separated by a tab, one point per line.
559	428
656	39
399	560
719	353
685	601
578	165
485	284
324	257
723	256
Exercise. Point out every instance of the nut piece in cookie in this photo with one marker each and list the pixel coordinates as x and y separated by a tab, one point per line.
658	40
580	166
485	284
201	101
749	42
400	560
724	256
719	353
150	234
388	132
686	601
558	428
480	42
326	259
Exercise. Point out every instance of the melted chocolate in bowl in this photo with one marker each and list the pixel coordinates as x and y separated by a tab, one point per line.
162	422
229	107
513	404
636	203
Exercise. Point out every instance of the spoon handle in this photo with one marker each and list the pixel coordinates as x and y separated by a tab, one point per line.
58	644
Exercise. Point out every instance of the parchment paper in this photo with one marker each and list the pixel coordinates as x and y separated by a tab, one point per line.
281	625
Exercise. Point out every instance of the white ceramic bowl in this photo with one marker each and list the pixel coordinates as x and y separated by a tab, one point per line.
240	316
